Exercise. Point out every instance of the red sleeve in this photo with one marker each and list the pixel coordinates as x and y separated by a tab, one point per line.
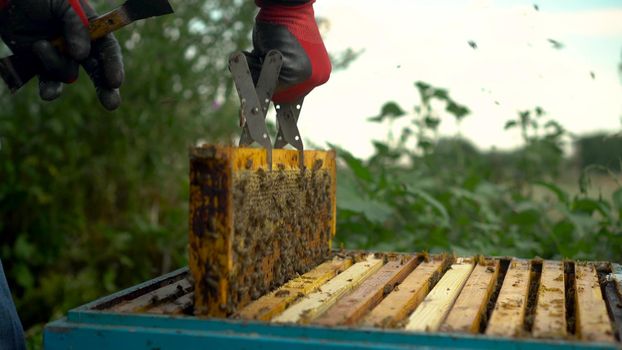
76	5
262	3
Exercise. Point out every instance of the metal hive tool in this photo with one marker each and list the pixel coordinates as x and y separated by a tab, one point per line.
255	101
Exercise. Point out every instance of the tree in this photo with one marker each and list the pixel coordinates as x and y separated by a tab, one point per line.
600	149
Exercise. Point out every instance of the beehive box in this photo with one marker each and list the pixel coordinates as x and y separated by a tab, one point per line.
263	276
374	301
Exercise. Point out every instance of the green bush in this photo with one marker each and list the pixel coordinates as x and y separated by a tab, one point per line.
418	192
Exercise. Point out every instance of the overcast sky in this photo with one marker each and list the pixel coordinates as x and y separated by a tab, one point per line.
513	68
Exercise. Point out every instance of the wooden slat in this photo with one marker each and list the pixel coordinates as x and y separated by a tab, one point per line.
274	303
349	309
251	230
614	305
550	317
155	298
406	297
434	308
509	313
175	307
316	303
617	275
617	307
592	320
471	304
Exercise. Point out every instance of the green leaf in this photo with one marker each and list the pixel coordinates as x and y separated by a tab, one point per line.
563	231
591	206
381	147
357	166
561	195
457	110
438	206
375	211
421	86
440	94
584	183
390	110
431	122
23	276
510	124
582	223
524	117
406	133
424	91
425	144
354	200
617	198
527	214
109	279
617	202
23	249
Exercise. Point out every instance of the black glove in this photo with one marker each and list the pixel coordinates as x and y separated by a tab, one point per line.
26	26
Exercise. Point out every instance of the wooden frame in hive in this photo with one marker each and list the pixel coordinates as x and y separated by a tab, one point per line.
252	229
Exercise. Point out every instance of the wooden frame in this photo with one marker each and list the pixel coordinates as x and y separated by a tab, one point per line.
471	304
508	315
315	304
274	303
436	305
351	308
592	320
404	299
550	317
226	189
